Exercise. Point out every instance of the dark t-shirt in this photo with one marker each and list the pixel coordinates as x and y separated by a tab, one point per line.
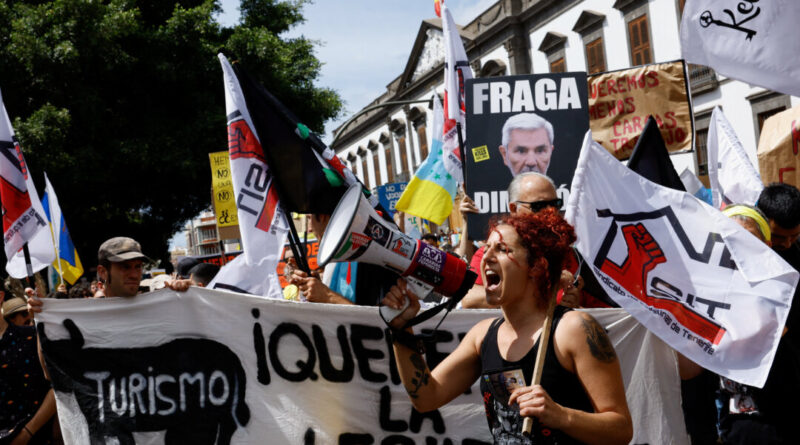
372	283
563	387
775	420
22	382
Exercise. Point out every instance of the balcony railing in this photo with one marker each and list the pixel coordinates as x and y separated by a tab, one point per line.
702	78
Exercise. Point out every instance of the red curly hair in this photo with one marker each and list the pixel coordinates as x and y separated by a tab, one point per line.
547	237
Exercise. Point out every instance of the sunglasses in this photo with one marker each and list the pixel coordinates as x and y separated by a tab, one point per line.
536	206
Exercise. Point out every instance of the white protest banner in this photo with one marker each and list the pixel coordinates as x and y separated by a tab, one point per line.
695	278
208	364
262	223
752	41
732	177
24	219
456	73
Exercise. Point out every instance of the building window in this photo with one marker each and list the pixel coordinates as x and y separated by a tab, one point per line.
553	45
701	123
639	37
590	26
765	105
558	66
595	57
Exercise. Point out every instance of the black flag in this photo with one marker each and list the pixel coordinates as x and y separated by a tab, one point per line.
650	158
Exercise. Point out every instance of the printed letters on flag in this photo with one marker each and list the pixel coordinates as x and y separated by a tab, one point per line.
431	191
206	365
732	177
456	72
695	278
261	222
68	264
752	41
23	217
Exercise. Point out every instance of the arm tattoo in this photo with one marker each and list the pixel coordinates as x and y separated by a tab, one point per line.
598	341
421	373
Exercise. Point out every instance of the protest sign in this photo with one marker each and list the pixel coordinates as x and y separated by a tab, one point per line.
389	194
694	277
312	249
222	190
778	148
208	364
554	103
620	102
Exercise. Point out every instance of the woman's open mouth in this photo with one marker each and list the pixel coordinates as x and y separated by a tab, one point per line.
492	280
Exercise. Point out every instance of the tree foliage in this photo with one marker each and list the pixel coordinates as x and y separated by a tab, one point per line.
121	101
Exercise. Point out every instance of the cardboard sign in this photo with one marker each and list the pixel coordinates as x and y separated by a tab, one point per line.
620	102
551	103
222	189
778	148
207	366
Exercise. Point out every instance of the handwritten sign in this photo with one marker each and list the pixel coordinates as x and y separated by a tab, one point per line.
620	102
779	148
224	202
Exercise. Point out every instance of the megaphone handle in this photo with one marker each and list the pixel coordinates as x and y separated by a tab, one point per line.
390	314
420	289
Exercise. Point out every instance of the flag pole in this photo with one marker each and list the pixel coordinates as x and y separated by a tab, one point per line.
28	264
462	152
294	243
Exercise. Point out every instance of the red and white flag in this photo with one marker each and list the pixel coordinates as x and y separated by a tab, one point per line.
752	41
456	73
23	215
732	177
693	277
262	224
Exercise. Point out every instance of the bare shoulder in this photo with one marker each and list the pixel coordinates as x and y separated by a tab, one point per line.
477	333
583	332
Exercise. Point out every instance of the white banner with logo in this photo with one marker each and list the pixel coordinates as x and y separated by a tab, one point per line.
208	366
694	277
752	41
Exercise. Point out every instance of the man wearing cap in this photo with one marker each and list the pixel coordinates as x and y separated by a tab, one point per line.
120	263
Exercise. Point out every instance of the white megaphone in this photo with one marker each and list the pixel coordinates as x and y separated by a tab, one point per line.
356	232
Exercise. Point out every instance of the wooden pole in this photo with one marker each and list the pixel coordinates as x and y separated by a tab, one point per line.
541	353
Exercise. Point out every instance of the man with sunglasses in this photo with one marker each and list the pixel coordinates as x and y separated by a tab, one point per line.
528	192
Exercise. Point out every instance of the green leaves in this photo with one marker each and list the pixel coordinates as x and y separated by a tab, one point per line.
120	101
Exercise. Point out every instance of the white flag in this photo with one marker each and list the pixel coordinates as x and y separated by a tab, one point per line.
256	279
756	42
733	178
24	218
261	222
456	73
695	278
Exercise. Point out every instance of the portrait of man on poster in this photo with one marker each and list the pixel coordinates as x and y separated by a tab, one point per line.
527	143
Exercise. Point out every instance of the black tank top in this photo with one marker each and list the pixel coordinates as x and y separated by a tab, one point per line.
563	387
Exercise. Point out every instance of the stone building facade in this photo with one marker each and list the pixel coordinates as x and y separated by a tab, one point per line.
511	37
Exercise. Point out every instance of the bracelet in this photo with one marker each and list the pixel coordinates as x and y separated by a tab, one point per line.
25	427
410	341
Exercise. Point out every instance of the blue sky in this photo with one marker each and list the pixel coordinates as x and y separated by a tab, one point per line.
363	45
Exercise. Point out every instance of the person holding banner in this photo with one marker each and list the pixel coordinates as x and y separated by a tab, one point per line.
580	399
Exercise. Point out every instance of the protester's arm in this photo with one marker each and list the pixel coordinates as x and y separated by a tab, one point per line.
315	290
428	390
465	248
45	412
476	299
583	346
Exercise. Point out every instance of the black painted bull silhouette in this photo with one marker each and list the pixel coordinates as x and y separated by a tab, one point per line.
192	388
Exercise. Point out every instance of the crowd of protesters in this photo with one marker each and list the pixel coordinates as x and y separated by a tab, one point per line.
717	410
